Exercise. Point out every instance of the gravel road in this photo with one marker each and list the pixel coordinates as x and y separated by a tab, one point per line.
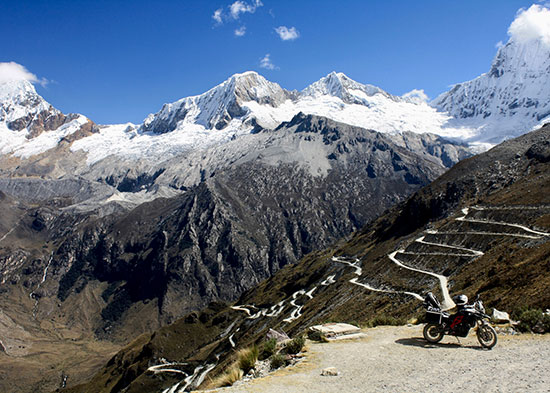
397	359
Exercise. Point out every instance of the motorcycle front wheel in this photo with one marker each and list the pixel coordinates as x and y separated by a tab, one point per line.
432	333
487	336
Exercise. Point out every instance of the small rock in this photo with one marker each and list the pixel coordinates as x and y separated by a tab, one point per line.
329	372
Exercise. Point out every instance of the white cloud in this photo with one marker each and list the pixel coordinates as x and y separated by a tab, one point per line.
416	95
240	31
531	24
235	10
286	33
240	7
266	63
12	71
217	16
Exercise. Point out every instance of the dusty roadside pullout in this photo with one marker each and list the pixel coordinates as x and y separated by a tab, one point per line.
398	359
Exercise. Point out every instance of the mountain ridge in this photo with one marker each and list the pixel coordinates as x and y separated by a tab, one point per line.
495	204
508	100
502	103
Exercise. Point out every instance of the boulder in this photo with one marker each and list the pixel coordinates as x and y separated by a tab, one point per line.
500	316
279	336
330	330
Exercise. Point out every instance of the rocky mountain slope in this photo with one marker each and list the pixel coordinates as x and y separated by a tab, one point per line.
290	191
173	149
483	227
113	272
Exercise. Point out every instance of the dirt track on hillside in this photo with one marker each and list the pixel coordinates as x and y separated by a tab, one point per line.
397	359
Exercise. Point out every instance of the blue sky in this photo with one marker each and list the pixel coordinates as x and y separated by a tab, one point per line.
117	61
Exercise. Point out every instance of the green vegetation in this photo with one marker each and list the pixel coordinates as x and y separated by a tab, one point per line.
247	358
532	320
295	345
69	279
268	349
276	361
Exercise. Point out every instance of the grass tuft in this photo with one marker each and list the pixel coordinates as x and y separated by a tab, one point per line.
229	377
247	358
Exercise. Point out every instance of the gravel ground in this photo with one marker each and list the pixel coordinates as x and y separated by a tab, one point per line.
397	359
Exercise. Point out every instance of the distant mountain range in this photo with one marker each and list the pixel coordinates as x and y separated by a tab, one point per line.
510	99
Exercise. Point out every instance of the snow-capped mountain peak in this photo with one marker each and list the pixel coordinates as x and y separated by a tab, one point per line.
29	125
331	84
337	84
513	96
218	106
18	98
250	86
248	101
510	99
16	90
22	108
526	59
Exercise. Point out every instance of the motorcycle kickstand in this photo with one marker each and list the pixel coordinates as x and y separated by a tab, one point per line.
457	339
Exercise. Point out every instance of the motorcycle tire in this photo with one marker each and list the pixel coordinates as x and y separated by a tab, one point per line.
432	333
487	336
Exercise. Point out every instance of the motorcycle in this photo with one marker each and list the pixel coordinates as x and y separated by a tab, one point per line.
468	316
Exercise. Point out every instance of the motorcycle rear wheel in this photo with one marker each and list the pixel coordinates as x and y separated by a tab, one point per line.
432	333
487	336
